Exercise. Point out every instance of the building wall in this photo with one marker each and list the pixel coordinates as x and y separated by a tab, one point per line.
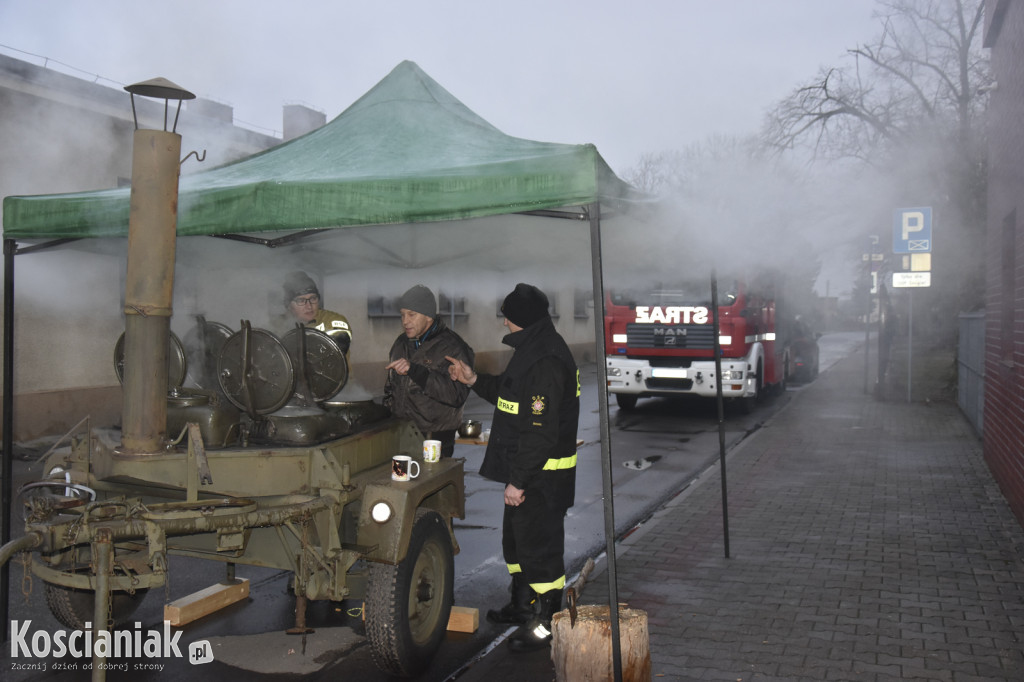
58	134
1004	314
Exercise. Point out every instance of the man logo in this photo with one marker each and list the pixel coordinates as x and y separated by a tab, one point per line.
200	652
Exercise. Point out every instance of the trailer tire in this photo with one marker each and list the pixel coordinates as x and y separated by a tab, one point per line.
73	608
625	401
408	605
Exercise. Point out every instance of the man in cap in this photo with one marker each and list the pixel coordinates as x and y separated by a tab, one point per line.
302	300
418	386
532	450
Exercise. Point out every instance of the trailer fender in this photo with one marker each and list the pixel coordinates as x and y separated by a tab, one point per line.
388	512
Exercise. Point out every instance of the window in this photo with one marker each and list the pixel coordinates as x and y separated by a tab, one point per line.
582	300
387	306
448	307
382	306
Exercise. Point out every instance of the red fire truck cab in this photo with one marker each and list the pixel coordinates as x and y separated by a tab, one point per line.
660	342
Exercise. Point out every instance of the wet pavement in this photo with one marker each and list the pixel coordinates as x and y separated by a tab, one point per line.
867	541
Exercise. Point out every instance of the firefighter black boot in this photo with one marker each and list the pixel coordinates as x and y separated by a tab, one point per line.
520	607
536	633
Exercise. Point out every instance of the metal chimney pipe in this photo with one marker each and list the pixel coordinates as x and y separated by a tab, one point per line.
149	289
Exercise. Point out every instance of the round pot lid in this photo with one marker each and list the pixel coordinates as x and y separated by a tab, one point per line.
177	366
324	366
259	379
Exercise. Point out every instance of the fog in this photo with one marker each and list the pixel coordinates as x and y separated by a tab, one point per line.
629	78
687	79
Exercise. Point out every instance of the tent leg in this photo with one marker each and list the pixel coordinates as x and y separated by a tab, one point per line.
10	246
594	211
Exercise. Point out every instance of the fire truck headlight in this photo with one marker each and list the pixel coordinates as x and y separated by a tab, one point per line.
732	375
724	340
619	338
614	372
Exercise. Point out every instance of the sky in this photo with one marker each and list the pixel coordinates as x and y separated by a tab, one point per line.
630	77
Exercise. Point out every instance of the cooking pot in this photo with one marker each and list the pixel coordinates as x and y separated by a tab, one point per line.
470	429
358	412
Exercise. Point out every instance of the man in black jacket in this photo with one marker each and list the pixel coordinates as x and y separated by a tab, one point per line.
418	386
532	450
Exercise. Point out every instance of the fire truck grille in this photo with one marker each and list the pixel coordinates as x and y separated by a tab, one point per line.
691	336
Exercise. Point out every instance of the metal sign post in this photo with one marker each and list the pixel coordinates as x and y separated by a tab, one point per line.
912	235
910	343
872	258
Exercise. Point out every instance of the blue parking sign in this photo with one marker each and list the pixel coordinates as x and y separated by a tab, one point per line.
912	230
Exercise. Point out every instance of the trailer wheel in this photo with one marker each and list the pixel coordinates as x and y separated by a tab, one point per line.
408	605
625	401
73	608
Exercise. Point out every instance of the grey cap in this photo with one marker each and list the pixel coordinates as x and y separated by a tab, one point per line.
298	283
419	299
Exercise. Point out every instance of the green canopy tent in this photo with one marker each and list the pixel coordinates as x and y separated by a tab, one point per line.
406	153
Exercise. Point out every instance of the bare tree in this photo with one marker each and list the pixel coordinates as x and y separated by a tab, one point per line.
909	107
922	75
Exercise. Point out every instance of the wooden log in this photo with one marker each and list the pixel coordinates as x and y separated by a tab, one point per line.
205	602
584	652
464	619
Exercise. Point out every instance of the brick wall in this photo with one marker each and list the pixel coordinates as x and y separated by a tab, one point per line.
1004	314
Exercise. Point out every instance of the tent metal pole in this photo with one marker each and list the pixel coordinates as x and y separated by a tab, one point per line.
716	327
271	243
45	245
10	246
594	210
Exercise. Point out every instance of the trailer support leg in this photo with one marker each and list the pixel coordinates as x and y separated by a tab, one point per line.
103	555
300	617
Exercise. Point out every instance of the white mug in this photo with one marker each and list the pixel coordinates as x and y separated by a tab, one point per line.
431	451
402	467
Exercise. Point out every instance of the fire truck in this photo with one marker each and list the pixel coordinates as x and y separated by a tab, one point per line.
660	341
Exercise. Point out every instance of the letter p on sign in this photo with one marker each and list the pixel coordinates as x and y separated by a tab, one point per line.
913	221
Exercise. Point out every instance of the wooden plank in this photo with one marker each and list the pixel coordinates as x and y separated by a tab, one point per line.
205	602
464	619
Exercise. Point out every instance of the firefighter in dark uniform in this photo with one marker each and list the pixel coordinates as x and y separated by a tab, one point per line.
532	450
302	300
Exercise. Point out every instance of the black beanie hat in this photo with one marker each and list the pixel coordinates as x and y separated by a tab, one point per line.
525	305
297	284
419	299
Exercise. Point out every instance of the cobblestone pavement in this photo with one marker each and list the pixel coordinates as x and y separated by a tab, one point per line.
867	541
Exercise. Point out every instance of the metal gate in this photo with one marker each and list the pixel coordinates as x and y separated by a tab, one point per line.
970	392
